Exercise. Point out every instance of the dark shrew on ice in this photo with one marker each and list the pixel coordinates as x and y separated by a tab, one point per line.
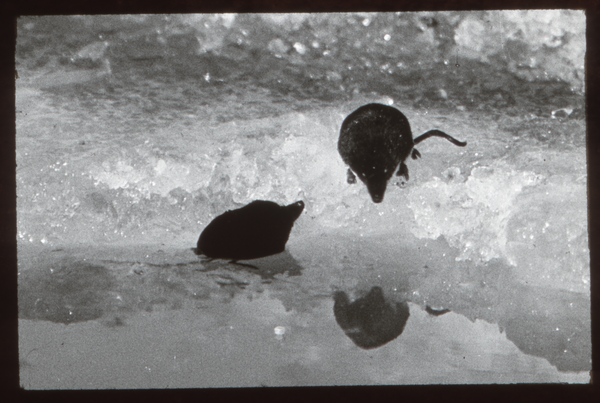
259	229
374	139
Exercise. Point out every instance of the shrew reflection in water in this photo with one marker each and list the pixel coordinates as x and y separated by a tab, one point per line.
370	321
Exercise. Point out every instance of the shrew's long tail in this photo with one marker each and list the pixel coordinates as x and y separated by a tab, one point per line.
438	133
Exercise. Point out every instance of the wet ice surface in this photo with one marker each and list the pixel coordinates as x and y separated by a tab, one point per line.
117	177
166	322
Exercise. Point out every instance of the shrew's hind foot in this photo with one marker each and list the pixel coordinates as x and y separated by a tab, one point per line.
403	170
415	154
350	177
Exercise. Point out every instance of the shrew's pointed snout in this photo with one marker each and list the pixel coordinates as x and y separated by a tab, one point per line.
377	190
377	198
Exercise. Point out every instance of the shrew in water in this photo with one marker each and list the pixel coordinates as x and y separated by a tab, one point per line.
259	229
374	139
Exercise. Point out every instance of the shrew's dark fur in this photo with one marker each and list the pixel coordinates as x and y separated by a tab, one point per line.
259	229
373	140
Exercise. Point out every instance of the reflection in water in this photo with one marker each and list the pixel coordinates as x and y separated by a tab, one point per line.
370	321
68	292
557	327
266	267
